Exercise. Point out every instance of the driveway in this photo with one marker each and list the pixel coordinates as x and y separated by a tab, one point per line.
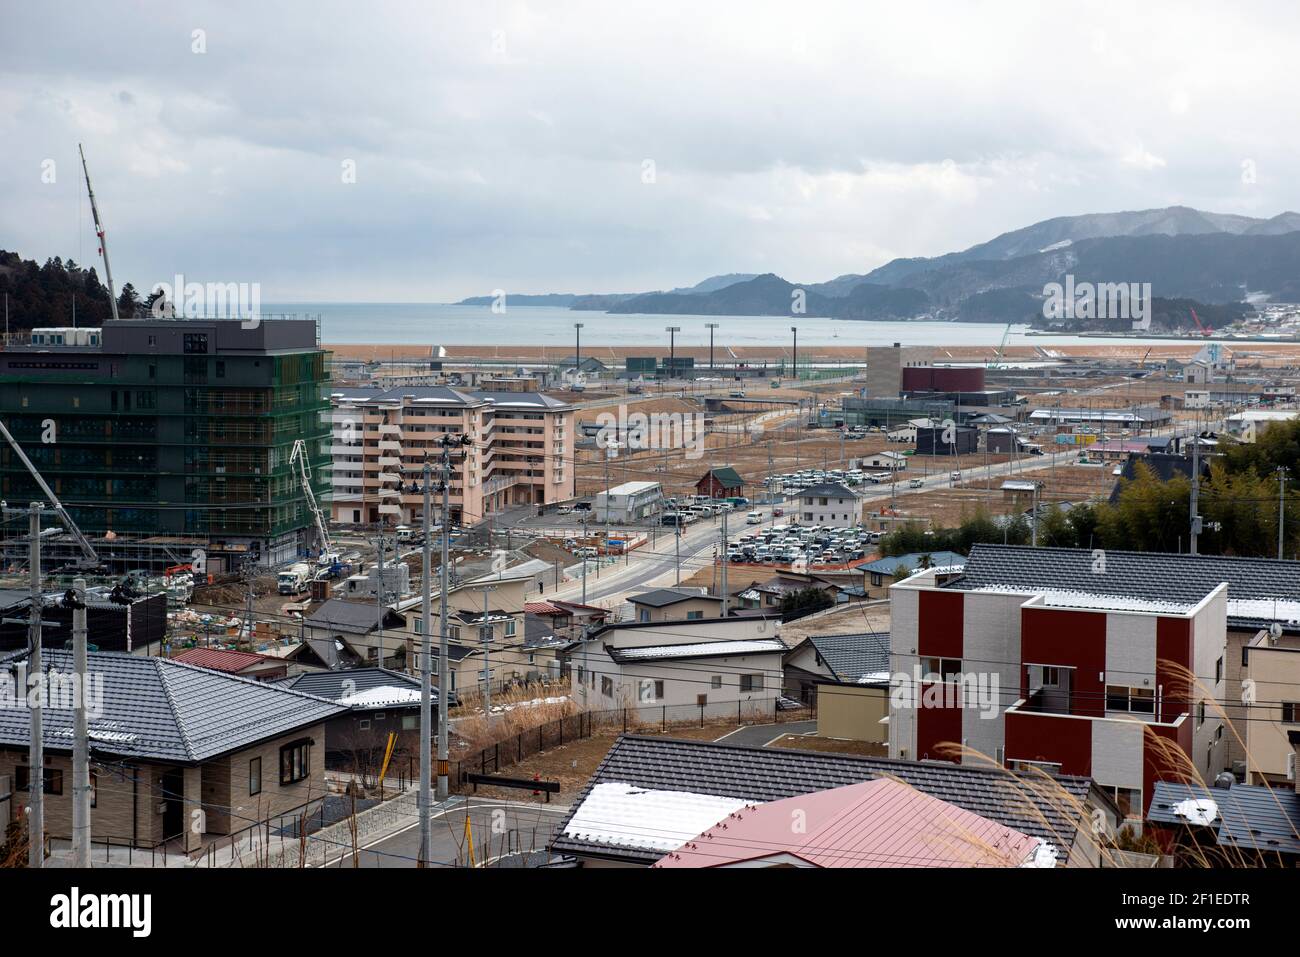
761	735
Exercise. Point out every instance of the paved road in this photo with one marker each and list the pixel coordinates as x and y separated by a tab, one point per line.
514	824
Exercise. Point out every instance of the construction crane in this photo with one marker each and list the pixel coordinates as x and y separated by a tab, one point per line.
328	555
99	231
87	549
1002	347
1203	329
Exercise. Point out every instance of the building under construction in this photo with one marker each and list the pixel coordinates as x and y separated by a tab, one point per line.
170	435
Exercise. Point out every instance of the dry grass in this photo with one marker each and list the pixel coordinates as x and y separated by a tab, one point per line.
513	712
808	742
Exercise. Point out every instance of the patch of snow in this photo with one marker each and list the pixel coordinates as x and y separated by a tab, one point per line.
1061	245
624	815
386	694
1197	810
1045	855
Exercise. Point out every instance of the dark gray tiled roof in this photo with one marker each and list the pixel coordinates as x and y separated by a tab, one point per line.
164	710
1250	817
341	615
828	489
770	774
1153	576
330	684
660	597
851	656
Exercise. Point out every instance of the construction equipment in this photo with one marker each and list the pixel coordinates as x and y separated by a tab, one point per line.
1203	329
1002	347
99	231
329	556
86	548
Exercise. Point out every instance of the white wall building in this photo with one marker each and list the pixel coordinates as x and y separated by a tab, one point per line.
829	504
629	502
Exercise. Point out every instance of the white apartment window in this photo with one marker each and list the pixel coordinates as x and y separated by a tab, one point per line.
510	628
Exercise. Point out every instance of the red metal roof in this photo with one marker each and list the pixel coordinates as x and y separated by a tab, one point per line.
879	823
221	659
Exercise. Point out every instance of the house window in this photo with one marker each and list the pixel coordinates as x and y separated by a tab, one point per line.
410	722
255	776
295	761
607	687
1218	670
1128	800
195	343
751	682
715	681
1290	712
363	724
941	669
643	615
1136	700
1051	677
510	628
94	789
53	779
1200	713
454	632
694	615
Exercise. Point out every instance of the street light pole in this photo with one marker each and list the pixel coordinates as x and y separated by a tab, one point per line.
577	348
426	677
672	348
711	326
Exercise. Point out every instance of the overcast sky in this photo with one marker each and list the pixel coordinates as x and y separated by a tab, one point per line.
506	145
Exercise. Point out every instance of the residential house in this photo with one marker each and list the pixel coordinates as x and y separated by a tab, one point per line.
1087	661
674	604
880	574
1236	825
378	703
880	823
894	461
719	664
357	625
828	503
848	678
722	482
567	619
650	793
245	664
628	502
170	738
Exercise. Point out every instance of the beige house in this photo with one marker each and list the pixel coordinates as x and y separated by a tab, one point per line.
485	618
520	447
180	755
1271	677
674	604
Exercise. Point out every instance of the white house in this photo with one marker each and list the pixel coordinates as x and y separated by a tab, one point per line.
829	503
894	461
629	502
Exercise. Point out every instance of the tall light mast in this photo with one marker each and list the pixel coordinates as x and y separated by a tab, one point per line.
99	231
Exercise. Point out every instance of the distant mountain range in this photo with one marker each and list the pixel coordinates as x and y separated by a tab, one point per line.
1192	259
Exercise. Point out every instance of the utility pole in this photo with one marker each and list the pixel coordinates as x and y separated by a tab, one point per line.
677	548
1196	492
794	356
444	666
577	350
672	348
36	756
426	666
722	555
1033	525
1281	508
379	603
81	735
485	635
711	326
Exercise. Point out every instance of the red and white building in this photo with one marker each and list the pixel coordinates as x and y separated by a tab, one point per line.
1086	683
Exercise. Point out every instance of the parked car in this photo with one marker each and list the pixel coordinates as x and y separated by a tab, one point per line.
916	483
564	510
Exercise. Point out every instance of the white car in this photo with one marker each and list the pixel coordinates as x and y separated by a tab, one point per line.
754	518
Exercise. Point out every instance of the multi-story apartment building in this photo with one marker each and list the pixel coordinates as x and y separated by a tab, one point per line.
521	451
1109	664
176	432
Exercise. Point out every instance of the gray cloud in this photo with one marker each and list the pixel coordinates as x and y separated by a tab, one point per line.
502	145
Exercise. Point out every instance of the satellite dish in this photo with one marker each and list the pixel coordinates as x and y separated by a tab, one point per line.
1275	632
